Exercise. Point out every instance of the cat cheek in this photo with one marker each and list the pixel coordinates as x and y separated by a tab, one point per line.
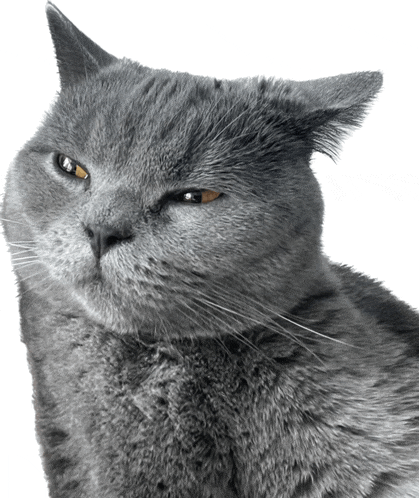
63	255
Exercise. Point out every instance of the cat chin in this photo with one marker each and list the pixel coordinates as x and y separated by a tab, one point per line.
145	325
155	318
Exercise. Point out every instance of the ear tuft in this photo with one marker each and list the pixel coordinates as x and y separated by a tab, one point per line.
77	55
332	107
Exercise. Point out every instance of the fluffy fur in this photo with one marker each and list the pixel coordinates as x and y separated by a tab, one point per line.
207	350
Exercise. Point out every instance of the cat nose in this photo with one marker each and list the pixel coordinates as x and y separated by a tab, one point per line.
102	237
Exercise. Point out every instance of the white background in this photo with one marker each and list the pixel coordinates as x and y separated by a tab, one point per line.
371	195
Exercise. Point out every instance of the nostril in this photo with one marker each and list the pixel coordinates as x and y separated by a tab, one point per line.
112	240
102	237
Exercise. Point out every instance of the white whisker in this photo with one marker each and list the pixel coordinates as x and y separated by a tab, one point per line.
293	337
25	251
186	314
34	256
316	333
25	263
14	221
281	316
216	305
22	245
21	266
31	276
234	332
255	316
20	241
39	283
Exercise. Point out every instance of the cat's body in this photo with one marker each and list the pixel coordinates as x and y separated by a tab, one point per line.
205	349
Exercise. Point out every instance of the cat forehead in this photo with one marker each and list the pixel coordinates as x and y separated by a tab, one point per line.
129	113
128	90
124	113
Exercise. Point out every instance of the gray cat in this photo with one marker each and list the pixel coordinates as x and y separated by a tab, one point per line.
186	335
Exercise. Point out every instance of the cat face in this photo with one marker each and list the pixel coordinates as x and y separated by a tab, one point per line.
173	204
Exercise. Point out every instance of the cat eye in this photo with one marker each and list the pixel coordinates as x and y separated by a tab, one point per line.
197	196
71	167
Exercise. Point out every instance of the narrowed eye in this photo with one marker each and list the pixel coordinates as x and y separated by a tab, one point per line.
198	196
71	167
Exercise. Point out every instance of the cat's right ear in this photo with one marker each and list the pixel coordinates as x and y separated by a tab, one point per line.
77	55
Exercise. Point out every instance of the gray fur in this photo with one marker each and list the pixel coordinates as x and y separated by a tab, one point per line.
213	350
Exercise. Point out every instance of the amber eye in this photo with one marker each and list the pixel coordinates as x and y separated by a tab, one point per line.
71	167
198	196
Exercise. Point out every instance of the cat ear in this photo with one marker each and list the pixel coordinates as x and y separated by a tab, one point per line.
77	55
332	107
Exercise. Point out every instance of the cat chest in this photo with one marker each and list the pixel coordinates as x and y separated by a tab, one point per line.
170	424
204	425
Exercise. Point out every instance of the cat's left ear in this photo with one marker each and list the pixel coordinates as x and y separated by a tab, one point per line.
77	55
332	107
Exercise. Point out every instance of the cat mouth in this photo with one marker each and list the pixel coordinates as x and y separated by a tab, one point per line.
92	276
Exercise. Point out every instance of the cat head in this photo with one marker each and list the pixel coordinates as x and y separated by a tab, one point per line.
170	203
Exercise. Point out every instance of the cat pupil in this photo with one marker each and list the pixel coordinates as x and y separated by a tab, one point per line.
72	167
67	164
199	196
195	197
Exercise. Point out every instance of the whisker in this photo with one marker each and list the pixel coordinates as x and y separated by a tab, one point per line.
21	246
25	251
33	275
237	334
268	325
201	302
292	336
223	346
25	263
186	315
39	283
316	333
182	303
195	312
199	326
281	315
13	221
22	242
216	305
247	317
34	256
